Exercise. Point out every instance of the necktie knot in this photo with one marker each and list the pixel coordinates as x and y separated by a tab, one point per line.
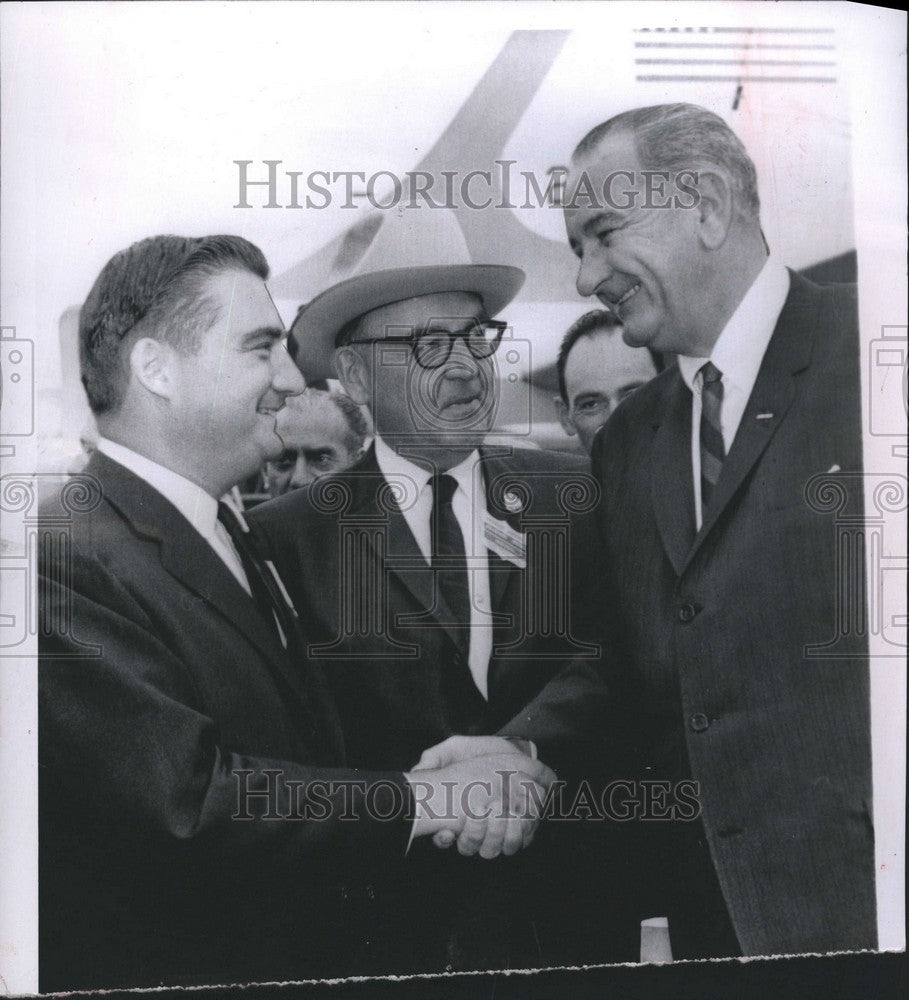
444	488
710	373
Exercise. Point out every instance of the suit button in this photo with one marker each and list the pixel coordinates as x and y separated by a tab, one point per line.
370	892
698	722
458	660
687	612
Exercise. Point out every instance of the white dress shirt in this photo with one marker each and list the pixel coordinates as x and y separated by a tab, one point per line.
197	506
737	353
469	507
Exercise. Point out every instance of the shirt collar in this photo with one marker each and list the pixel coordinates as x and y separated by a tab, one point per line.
392	464
740	347
197	506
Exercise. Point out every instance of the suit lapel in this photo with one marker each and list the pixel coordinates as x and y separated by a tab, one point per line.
788	353
374	503
186	555
503	575
671	485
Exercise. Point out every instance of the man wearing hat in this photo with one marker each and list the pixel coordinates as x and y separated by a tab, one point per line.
434	579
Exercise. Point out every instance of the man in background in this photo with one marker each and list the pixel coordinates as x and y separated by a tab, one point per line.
323	432
596	370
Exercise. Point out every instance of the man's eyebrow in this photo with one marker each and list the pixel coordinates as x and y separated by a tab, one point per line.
429	327
271	332
599	218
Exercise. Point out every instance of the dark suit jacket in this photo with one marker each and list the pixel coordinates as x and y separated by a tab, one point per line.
371	611
745	674
158	678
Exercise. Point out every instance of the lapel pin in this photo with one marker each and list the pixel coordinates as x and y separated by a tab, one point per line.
763	416
512	502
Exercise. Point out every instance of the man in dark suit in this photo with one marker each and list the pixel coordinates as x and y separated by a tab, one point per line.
199	821
725	577
438	579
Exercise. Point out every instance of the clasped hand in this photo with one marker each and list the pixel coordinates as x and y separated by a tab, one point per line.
480	792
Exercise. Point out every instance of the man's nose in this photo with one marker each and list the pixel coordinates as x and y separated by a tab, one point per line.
461	364
285	377
593	270
302	475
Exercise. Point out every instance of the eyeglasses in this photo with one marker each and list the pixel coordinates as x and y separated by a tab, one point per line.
432	348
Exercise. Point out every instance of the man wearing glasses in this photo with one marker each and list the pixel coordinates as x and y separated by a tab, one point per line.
434	582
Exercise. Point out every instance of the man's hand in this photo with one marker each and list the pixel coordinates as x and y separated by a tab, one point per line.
458	748
489	803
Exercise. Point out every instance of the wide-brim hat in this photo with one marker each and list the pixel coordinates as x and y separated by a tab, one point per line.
413	251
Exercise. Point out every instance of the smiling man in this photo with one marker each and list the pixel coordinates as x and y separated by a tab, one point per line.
735	615
323	432
198	821
596	370
433	575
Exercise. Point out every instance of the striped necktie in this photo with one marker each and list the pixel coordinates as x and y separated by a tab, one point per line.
713	451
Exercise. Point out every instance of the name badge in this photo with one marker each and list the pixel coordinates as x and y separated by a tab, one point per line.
501	538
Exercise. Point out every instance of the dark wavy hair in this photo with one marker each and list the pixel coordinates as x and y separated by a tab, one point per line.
152	288
585	326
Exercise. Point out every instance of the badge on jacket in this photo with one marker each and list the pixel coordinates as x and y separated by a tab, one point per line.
501	538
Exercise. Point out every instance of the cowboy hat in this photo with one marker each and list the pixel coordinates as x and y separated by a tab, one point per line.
384	259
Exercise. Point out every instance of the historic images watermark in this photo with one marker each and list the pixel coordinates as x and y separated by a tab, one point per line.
502	187
268	795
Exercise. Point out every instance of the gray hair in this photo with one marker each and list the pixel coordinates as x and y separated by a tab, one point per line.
678	137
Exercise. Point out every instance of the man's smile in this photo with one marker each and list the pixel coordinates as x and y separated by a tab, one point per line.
616	303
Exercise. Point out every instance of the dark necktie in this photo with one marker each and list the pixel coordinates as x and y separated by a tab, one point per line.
265	590
713	451
448	556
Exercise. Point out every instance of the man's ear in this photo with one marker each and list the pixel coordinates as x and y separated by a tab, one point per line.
150	363
562	413
353	374
715	207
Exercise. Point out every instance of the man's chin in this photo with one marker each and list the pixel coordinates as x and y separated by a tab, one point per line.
454	442
271	446
465	441
636	335
277	435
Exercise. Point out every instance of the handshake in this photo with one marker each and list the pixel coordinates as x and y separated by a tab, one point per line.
482	792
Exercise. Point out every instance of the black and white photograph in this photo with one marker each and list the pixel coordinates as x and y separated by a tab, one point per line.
453	499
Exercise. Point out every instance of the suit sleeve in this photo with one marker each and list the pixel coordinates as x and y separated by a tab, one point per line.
122	735
579	712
